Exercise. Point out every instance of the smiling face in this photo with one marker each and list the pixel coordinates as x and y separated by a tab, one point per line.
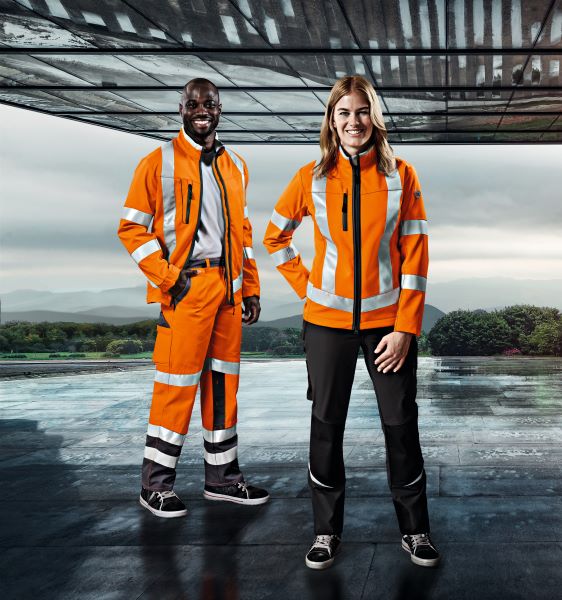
200	110
352	121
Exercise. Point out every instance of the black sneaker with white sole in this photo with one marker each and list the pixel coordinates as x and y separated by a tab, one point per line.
239	493
422	551
322	552
164	504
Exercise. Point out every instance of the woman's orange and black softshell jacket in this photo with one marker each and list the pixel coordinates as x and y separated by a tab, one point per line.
370	239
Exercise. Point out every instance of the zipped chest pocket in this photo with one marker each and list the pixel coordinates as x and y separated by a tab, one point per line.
344	212
187	192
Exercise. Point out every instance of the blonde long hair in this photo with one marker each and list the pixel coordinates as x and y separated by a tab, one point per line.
329	141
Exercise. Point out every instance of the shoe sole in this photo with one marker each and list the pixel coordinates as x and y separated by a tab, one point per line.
311	564
162	513
421	562
223	498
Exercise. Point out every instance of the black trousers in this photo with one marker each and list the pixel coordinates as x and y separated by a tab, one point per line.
331	357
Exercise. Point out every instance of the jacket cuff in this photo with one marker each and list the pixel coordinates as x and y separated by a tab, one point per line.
171	278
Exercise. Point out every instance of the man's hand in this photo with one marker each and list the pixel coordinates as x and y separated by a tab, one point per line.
397	344
183	283
252	310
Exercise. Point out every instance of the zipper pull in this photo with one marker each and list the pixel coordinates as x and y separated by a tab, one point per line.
189	197
344	212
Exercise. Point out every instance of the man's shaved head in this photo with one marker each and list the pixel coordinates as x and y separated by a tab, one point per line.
198	82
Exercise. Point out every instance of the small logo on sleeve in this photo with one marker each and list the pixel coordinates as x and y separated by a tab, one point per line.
417	194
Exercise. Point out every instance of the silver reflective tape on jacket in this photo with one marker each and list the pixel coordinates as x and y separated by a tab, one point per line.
246	213
151	283
160	458
177	380
136	216
283	223
239	165
321	218
413	227
248	252
346	304
284	255
237	283
394	192
221	458
222	366
167	435
414	282
219	435
145	250
169	197
330	487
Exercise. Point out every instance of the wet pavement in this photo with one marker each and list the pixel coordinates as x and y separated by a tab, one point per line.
72	527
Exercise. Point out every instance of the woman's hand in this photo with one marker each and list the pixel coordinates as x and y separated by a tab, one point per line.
397	344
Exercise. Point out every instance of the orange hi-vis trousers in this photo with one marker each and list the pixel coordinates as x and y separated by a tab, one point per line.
197	342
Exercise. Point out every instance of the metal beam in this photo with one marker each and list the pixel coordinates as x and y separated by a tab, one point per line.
289	133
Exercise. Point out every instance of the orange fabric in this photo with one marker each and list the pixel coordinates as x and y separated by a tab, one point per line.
388	258
146	199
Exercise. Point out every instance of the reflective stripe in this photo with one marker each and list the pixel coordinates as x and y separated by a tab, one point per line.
414	282
136	216
236	160
321	218
160	457
346	304
284	255
283	223
218	435
151	284
416	479
394	192
177	380
246	214
330	487
248	252
167	435
145	250
237	283
169	197
221	458
413	226
222	366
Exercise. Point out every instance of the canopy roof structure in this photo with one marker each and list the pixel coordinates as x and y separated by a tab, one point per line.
446	71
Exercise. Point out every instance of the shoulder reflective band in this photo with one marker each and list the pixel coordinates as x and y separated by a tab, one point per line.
169	197
239	165
413	227
248	252
160	458
222	366
237	283
177	380
136	216
284	223
346	304
167	435
219	435
284	255
221	458
321	218
414	282
393	194
145	250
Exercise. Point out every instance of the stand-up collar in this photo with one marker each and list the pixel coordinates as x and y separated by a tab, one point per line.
367	158
189	145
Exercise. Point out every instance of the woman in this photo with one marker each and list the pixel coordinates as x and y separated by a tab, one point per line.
366	290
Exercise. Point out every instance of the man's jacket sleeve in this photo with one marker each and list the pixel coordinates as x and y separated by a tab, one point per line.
413	247
287	216
250	281
143	245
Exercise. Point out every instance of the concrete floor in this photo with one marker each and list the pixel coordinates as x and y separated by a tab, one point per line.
72	527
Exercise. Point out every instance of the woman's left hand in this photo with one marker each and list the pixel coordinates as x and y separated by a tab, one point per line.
397	344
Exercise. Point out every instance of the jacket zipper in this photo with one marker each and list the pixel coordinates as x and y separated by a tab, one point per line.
189	197
344	212
226	215
356	209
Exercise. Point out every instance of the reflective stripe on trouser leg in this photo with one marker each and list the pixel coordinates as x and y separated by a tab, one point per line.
161	454
219	386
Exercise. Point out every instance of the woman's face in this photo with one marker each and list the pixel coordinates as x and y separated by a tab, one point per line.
352	121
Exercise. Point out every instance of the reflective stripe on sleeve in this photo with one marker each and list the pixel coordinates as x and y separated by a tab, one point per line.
177	380
237	283
413	226
414	282
136	216
221	458
346	304
167	435
222	366
283	223
284	255
168	196
248	252
219	435
161	458
145	250
321	217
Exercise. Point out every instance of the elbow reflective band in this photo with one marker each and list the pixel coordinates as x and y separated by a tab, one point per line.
136	216
248	252
166	435
346	304
321	216
177	380
283	223
284	255
394	187
246	215
168	197
414	282
222	366
221	458
145	250
219	435
413	227
237	283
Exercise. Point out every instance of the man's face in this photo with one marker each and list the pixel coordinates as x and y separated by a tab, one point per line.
200	111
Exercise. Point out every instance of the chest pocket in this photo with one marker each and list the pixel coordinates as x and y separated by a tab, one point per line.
187	199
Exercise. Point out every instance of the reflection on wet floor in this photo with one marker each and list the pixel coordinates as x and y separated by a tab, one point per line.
490	430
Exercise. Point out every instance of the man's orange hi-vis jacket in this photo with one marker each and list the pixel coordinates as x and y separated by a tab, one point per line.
370	240
166	192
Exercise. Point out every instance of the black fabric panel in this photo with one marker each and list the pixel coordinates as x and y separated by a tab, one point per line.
214	448
157	477
165	447
219	407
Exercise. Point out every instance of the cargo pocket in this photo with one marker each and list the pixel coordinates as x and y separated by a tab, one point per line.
163	343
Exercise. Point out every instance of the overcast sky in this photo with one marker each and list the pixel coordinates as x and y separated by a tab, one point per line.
493	210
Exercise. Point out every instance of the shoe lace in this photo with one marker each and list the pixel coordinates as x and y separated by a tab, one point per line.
420	539
242	486
323	542
165	494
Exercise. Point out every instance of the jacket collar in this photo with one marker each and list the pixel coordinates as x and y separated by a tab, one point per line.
192	148
367	158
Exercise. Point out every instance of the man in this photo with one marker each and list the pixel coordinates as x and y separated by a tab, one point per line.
200	266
